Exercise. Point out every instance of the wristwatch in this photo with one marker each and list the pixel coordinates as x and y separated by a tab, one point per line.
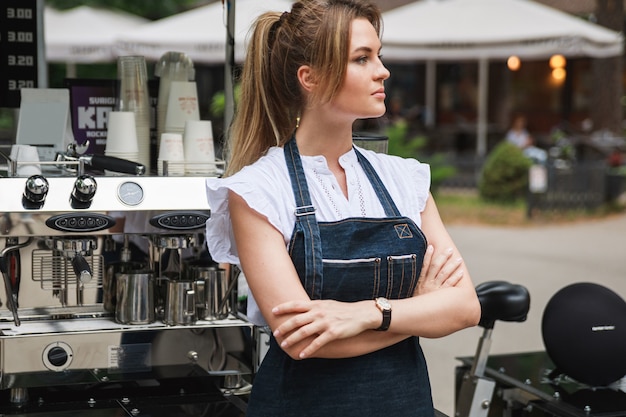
385	307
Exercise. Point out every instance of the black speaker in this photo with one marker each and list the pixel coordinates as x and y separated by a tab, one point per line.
584	332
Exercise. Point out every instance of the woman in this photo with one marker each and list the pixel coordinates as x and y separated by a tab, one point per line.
518	134
344	251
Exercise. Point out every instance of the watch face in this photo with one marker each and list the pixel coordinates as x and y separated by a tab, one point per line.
384	303
130	193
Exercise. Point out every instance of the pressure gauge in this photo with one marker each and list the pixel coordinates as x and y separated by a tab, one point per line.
130	193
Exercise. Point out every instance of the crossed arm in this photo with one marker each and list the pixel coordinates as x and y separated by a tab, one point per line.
444	301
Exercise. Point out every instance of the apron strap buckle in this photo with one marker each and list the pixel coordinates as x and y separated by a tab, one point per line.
305	210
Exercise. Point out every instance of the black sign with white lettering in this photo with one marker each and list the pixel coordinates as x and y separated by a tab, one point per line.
18	49
91	100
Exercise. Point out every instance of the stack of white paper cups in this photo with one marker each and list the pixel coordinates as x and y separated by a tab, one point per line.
133	96
171	161
199	147
182	106
172	66
122	136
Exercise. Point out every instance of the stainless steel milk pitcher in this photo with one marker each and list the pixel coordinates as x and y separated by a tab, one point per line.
135	298
180	305
213	293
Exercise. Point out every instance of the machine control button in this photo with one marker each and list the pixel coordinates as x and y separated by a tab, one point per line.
80	222
180	220
57	356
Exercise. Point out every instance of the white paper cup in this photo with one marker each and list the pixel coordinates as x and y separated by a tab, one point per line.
121	133
182	105
171	150
199	147
27	157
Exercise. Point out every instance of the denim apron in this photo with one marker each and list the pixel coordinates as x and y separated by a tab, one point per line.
348	260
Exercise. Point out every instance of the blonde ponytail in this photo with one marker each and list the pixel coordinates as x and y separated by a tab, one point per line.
314	33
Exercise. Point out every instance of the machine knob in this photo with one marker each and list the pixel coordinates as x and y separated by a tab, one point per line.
84	190
58	356
35	191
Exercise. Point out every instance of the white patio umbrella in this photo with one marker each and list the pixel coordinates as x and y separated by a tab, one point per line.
484	30
200	33
84	34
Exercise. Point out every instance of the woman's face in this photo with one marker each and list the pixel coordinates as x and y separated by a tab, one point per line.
362	94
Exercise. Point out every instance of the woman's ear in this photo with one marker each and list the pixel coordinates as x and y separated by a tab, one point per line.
306	78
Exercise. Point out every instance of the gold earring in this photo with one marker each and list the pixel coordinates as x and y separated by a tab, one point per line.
297	122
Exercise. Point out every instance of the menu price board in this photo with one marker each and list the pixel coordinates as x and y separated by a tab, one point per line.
19	42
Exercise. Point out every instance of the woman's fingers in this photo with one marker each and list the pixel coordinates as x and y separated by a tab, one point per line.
302	316
438	263
448	272
315	345
318	322
289	307
439	270
454	279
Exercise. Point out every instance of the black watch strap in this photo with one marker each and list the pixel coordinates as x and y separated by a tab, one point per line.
385	308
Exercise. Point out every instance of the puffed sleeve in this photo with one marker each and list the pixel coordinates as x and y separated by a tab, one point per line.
262	189
410	187
219	235
422	181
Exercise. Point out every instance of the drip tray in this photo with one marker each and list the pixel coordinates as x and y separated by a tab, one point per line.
56	313
92	322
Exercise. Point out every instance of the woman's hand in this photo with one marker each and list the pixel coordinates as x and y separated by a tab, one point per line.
322	321
439	271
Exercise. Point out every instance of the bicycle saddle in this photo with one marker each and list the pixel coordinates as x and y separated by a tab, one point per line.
501	300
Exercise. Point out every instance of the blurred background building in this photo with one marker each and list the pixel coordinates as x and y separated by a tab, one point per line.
584	95
581	96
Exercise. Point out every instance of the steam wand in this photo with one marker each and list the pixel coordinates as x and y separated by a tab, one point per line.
83	275
4	268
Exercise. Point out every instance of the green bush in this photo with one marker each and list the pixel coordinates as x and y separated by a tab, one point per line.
504	177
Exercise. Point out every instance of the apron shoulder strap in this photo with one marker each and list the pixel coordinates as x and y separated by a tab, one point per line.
306	223
383	195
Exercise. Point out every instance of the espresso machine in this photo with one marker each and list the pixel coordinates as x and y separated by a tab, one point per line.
87	330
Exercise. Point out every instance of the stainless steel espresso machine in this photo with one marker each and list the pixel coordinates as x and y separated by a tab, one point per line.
85	328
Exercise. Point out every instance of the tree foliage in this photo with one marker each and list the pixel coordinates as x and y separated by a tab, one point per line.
149	9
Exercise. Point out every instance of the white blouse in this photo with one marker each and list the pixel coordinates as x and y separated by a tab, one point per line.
266	187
